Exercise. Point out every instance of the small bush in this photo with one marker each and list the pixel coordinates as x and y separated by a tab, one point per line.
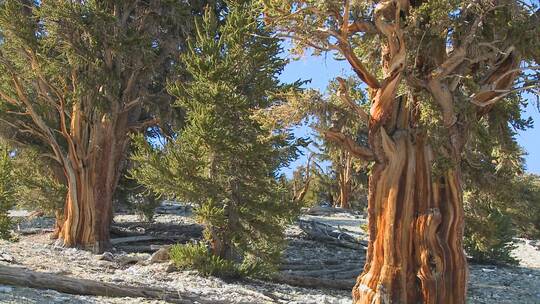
144	205
489	235
198	257
364	227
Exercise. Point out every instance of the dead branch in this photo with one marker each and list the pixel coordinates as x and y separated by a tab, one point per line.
348	144
313	282
331	235
299	196
146	238
343	93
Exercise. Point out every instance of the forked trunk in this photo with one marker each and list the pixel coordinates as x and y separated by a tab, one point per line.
345	177
415	250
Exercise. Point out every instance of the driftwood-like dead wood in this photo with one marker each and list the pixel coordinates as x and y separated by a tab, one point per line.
140	248
146	238
30	231
350	272
331	235
323	211
314	282
123	231
320	266
26	278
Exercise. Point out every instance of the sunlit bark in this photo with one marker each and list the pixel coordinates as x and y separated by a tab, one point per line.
92	170
415	213
415	252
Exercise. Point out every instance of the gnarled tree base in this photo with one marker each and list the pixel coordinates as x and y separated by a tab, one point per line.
415	222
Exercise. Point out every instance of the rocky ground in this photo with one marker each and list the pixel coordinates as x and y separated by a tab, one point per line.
488	283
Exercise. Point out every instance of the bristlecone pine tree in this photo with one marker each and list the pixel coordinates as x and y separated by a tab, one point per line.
222	160
76	77
437	73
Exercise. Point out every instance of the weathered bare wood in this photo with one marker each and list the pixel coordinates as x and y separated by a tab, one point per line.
26	278
313	282
140	248
123	232
29	231
146	238
328	272
319	266
318	210
331	235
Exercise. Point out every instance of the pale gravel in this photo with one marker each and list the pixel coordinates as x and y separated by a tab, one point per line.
488	283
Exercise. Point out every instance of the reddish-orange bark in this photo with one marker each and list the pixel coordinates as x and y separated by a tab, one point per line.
92	180
415	223
415	213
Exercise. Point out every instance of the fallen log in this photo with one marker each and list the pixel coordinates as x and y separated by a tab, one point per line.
313	282
123	232
326	273
140	248
331	235
30	231
16	276
319	266
146	238
324	211
300	266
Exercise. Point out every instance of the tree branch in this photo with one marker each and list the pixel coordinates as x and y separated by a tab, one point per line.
343	93
459	53
299	196
143	124
348	144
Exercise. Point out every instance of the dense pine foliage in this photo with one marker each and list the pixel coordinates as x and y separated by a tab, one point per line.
140	101
222	160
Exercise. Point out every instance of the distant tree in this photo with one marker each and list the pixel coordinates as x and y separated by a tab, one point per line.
494	216
489	231
524	207
446	81
76	77
133	196
222	160
347	170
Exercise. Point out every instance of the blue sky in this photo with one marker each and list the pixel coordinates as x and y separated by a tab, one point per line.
321	69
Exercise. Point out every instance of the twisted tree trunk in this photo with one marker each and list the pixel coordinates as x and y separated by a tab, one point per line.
93	167
415	224
415	210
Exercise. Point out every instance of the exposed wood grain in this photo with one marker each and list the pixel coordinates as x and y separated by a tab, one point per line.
26	278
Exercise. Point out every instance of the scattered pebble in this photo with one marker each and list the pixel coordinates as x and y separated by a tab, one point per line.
6	289
106	256
488	284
